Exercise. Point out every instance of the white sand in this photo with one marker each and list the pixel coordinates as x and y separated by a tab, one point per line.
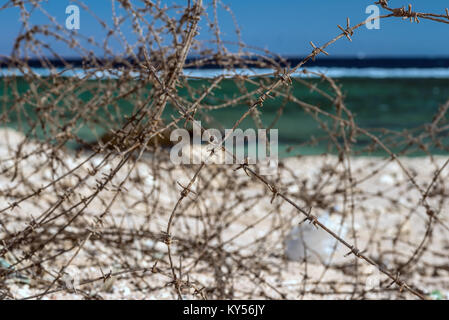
151	196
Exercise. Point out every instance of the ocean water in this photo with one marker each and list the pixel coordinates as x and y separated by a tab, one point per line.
396	104
397	99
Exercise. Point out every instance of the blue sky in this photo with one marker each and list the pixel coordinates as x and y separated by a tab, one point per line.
282	26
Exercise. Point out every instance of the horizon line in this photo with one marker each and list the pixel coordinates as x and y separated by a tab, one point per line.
210	62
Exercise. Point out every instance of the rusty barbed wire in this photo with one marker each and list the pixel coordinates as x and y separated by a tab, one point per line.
132	224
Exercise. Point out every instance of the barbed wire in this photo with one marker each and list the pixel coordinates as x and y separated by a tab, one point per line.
117	202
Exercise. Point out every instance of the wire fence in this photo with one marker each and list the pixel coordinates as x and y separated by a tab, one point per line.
114	217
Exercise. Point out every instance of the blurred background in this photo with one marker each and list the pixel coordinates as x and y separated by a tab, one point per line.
394	77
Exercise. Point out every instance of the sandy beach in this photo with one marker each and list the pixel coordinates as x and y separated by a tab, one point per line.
229	235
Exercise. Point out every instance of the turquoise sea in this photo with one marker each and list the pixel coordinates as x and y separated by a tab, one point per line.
396	104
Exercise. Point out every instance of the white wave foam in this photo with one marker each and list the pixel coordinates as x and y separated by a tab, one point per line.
334	72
